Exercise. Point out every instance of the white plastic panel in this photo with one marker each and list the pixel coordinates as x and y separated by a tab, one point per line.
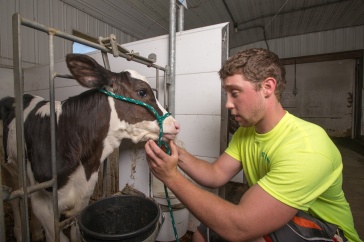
197	94
200	134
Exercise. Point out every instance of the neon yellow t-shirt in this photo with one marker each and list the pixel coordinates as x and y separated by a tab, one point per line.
298	164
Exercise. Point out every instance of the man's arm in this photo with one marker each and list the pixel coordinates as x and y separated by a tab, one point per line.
257	213
207	174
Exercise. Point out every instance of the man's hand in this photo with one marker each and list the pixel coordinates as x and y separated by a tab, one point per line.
163	166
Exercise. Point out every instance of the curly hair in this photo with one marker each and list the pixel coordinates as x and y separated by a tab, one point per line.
256	65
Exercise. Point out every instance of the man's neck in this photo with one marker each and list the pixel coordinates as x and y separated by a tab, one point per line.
271	118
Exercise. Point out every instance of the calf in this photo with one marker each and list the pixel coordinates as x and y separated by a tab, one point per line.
89	127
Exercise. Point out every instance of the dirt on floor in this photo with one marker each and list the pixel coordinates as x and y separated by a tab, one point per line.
9	223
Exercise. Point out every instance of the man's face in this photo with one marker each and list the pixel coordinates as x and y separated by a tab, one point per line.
245	102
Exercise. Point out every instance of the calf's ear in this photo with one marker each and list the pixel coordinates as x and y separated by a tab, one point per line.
87	71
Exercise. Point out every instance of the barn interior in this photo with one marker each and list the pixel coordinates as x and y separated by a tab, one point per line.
320	43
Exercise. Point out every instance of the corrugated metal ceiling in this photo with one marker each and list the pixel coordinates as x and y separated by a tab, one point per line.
254	20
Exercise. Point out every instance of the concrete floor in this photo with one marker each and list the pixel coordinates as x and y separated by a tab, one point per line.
353	185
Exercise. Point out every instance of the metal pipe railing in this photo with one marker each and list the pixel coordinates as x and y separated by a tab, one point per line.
2	215
53	137
172	56
129	56
18	91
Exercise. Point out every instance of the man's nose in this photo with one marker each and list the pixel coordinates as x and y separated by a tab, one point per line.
229	104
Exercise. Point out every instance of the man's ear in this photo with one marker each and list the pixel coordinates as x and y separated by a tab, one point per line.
269	86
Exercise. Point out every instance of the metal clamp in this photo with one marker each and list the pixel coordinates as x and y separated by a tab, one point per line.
111	43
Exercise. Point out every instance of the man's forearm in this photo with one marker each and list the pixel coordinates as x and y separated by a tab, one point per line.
193	166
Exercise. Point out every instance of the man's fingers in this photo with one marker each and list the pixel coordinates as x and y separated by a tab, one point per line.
148	149
174	151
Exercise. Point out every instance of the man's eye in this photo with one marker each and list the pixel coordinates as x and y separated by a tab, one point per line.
142	93
234	94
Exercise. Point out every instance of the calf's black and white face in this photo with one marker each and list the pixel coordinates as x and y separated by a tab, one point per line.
137	122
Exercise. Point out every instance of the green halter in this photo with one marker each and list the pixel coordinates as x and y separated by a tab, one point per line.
160	141
159	118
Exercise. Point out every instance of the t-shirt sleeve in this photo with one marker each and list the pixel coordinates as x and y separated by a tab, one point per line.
233	148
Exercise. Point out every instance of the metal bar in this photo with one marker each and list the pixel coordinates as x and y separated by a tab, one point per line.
224	131
63	75
180	17
61	34
106	161
105	60
18	91
166	99
30	189
104	177
157	81
172	55
2	215
68	221
53	138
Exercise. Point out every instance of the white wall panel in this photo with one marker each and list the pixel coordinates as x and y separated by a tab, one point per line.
36	82
200	134
193	94
194	56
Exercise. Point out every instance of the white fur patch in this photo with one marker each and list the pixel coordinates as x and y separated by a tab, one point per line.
45	110
75	195
119	130
12	144
136	75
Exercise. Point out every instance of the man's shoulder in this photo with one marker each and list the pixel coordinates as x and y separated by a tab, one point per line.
300	123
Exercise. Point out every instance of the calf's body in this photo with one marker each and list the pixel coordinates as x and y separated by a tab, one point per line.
89	127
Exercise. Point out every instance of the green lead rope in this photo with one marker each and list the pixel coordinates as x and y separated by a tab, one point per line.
169	204
160	141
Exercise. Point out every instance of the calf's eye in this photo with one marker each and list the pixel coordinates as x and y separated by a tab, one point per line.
142	93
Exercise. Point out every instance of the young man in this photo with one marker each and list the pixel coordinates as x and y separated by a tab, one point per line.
293	169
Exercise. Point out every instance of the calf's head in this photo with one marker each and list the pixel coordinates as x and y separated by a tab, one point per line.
133	121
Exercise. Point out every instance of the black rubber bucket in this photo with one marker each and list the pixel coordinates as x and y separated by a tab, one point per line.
120	218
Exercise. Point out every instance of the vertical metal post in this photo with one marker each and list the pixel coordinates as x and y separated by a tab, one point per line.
106	161
53	137
2	215
104	176
180	17
166	87
105	60
18	91
157	81
172	56
224	132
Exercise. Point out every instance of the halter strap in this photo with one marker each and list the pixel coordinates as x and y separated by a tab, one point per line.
159	118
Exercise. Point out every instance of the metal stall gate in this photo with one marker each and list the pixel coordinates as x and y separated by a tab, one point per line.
106	45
